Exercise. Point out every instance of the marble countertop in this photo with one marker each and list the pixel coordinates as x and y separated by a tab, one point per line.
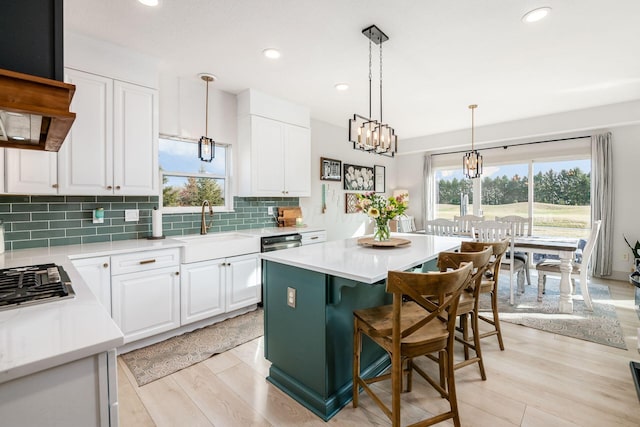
42	336
345	258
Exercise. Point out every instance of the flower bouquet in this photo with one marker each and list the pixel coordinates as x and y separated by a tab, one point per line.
382	209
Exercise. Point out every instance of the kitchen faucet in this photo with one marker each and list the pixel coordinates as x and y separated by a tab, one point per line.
203	225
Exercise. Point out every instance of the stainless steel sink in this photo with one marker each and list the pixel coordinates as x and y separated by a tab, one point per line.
217	245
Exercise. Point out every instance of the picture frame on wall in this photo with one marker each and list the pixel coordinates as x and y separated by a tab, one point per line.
330	169
358	178
379	174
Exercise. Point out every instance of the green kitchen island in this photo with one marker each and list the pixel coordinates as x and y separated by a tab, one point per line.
310	293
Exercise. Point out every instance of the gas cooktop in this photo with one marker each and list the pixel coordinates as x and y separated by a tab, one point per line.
33	284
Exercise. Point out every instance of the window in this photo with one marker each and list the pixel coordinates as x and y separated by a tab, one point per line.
558	201
187	181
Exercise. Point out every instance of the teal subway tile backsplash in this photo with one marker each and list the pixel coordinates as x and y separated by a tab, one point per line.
42	221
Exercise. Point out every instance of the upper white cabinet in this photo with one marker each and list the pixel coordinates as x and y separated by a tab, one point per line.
113	144
274	145
30	171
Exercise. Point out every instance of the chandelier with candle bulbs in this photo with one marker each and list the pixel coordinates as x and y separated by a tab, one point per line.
367	133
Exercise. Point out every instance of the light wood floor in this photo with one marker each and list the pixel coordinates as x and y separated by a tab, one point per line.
541	379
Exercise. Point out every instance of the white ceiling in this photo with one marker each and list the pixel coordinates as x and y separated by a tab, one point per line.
442	55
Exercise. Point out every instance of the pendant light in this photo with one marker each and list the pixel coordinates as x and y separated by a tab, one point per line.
472	160
366	133
206	145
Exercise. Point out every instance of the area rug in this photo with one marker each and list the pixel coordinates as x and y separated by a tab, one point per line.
164	358
599	326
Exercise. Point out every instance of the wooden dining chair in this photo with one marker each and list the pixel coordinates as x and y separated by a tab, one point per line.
520	226
465	222
489	284
468	306
441	227
580	270
417	323
491	231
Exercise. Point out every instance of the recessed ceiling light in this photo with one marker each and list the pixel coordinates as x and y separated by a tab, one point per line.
271	53
536	14
149	2
341	86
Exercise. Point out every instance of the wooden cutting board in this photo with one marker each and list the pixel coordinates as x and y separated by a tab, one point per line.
287	215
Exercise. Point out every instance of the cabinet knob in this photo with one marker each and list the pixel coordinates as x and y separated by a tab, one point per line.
109	187
117	187
177	273
105	265
55	186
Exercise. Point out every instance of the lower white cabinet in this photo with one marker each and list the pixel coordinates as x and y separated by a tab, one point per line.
209	288
145	301
96	273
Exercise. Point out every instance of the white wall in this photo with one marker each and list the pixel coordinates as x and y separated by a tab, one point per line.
331	141
623	120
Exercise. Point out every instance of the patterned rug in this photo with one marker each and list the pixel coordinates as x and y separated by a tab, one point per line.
599	326
164	358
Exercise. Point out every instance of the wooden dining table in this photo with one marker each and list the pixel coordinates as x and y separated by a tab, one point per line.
565	248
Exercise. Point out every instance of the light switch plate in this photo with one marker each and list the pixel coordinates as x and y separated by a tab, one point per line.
131	215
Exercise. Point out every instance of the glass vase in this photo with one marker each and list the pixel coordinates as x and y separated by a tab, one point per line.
381	232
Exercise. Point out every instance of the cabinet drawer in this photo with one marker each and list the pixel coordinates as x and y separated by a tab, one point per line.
314	237
146	260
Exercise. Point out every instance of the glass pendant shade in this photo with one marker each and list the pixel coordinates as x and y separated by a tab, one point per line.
206	149
472	160
206	145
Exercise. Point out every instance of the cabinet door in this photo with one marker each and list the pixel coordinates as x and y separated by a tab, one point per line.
31	172
243	281
135	140
297	162
146	303
85	159
96	273
202	290
267	150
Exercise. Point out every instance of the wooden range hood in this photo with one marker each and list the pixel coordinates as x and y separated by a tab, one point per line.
34	111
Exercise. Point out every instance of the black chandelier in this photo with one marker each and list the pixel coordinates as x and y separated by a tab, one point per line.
206	145
366	133
472	160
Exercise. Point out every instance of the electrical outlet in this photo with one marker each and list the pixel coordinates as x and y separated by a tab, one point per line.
625	256
270	210
131	215
291	297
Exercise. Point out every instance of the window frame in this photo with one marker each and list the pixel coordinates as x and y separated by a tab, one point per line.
228	197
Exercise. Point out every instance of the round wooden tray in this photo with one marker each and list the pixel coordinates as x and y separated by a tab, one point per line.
393	242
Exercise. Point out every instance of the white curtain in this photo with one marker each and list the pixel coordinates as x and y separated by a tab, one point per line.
602	202
428	190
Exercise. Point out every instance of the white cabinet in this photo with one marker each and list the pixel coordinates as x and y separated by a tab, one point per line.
112	147
145	290
280	156
96	273
30	171
210	288
274	147
243	281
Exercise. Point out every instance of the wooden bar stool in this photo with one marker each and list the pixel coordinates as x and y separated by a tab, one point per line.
489	284
468	306
410	328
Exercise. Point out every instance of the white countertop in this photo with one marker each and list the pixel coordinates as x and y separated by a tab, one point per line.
42	336
345	258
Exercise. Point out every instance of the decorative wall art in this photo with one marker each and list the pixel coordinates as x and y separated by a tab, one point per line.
330	169
358	178
351	202
379	172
